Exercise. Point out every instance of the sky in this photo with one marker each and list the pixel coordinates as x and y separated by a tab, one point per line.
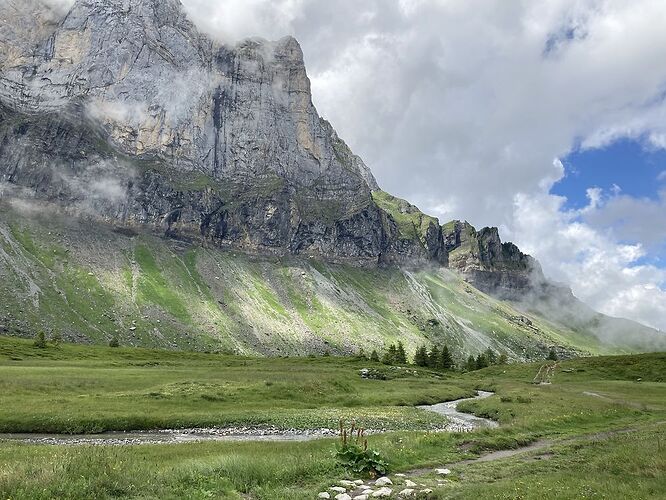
546	118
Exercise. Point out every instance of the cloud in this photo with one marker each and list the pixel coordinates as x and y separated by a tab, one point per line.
600	270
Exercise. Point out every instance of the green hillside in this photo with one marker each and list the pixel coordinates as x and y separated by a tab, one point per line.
89	282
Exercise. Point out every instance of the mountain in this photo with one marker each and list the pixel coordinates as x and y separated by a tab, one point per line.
176	191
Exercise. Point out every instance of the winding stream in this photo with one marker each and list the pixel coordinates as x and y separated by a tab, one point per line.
457	422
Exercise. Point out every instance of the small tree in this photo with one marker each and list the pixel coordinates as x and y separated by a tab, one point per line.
434	358
421	356
491	356
470	365
114	342
40	341
481	361
446	360
503	359
374	356
390	355
400	355
552	354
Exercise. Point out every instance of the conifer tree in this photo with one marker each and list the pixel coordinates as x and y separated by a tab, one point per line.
421	356
433	357
552	355
400	355
446	362
481	361
470	365
374	356
491	356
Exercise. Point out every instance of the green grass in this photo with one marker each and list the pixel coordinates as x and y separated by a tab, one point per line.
412	223
75	388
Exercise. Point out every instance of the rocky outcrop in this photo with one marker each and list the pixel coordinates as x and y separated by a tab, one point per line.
500	269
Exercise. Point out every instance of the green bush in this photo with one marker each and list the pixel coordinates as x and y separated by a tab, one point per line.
40	341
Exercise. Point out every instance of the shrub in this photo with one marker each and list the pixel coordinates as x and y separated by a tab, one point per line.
114	342
352	452
40	341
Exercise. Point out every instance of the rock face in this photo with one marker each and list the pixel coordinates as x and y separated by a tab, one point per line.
124	111
500	269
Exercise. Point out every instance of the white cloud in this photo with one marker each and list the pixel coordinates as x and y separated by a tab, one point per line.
600	271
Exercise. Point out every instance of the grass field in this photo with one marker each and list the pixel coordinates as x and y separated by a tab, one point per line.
602	429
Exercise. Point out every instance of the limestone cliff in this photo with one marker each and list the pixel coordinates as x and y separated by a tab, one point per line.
123	110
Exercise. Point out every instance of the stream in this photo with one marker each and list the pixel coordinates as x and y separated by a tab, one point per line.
457	422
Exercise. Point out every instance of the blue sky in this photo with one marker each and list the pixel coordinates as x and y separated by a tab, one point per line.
627	169
626	163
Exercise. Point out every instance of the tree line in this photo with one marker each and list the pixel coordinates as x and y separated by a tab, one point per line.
437	358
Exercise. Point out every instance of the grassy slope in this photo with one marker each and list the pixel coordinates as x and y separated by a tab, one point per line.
580	462
88	283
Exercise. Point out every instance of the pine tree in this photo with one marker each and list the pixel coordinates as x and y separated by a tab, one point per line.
400	354
434	357
374	356
390	355
503	359
491	357
481	361
470	365
446	362
421	356
552	355
114	342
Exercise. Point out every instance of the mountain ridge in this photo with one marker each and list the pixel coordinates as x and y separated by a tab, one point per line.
124	113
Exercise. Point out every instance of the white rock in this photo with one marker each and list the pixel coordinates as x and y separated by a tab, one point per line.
358	482
361	497
443	472
338	489
343	496
382	492
347	484
426	491
383	481
407	492
410	484
399	475
324	494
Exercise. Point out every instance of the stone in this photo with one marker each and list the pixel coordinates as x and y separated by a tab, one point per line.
343	496
443	472
400	475
407	492
347	484
358	482
383	481
426	491
338	489
361	497
410	484
382	493
324	494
